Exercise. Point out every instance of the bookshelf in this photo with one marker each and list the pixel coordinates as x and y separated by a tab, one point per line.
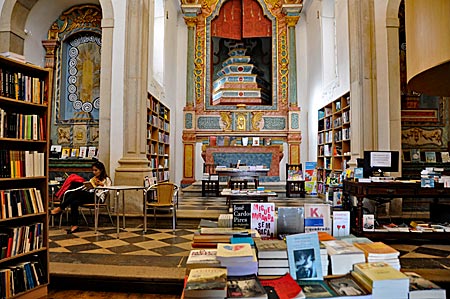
333	142
158	132
24	138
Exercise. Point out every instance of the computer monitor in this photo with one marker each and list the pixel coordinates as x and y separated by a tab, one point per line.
379	162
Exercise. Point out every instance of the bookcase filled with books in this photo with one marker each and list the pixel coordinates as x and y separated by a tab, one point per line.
24	116
333	142
158	132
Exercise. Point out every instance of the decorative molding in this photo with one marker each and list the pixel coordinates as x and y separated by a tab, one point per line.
418	136
274	123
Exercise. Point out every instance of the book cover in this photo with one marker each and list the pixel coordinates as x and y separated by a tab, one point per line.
202	258
337	199
420	287
92	151
263	219
317	217
358	173
83	152
368	222
271	248
415	155
242	215
206	282
445	157
291	220
65	153
341	223
378	271
346	286
74	153
236	252
310	171
285	287
247	286
430	157
304	256
255	141
316	289
378	249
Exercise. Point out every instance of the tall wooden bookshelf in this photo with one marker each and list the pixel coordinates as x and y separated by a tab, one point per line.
24	139
158	132
333	142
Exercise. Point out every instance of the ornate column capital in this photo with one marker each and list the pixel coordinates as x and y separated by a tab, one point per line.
292	20
50	52
190	12
292	12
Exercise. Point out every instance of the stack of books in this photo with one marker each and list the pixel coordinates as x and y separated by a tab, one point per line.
239	259
382	280
380	252
324	259
272	257
343	255
421	288
208	237
206	283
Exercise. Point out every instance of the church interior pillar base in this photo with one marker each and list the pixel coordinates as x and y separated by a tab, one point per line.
131	172
189	163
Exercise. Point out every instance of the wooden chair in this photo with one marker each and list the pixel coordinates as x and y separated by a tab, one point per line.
210	180
165	197
295	184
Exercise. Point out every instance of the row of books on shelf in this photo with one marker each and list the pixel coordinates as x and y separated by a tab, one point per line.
370	224
156	121
22	239
19	202
156	107
21	87
238	141
21	277
158	136
22	126
18	164
156	163
57	151
418	155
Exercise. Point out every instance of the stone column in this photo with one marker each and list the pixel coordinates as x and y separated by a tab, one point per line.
294	137
134	165
190	11
362	78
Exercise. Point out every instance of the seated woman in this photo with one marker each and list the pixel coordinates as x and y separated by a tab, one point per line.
83	196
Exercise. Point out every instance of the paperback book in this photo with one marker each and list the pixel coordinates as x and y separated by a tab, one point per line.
247	286
304	256
291	220
347	286
284	287
341	223
317	217
263	219
316	289
206	283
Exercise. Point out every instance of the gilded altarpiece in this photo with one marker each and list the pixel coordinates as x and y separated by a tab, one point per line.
238	79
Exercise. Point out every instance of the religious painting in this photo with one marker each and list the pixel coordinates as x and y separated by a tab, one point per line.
423	110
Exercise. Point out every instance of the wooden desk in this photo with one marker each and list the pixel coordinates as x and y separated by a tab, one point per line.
389	190
253	174
246	195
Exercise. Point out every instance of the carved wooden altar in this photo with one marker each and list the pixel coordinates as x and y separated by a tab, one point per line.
241	77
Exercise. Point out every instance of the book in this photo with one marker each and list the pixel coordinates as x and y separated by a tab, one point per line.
316	289
272	271
83	152
304	256
445	157
92	152
343	255
74	153
358	173
202	258
368	222
377	250
317	217
247	286
227	231
65	153
291	220
237	252
263	219
284	287
337	199
430	157
271	249
382	280
206	283
421	288
242	215
415	155
255	141
347	286
341	223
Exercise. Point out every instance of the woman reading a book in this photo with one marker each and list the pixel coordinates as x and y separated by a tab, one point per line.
83	193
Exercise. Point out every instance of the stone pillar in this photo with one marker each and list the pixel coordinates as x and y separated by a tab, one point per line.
362	78
134	165
190	11
294	137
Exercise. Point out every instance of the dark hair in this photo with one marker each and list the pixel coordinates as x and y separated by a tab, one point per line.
100	166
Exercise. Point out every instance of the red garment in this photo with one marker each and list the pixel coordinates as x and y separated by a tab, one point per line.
73	178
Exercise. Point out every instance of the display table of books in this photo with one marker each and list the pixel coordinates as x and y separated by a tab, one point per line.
246	195
298	268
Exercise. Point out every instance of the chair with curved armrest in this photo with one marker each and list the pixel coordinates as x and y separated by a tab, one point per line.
165	196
